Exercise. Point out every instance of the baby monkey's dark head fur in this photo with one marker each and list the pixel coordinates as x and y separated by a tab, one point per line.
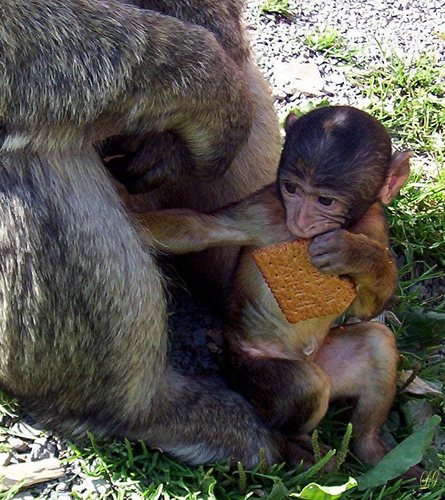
339	149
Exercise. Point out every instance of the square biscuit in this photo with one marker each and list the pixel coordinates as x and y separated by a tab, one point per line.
301	290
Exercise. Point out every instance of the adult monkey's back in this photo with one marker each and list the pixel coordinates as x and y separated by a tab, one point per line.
82	325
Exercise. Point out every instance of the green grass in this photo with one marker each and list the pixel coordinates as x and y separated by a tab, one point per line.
417	225
278	7
409	99
131	468
330	43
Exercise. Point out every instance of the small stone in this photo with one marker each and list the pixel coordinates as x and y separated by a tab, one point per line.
41	449
337	78
18	445
279	93
26	431
79	488
99	485
62	486
297	77
24	495
5	458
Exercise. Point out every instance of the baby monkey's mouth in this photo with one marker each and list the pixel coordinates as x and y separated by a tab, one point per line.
313	230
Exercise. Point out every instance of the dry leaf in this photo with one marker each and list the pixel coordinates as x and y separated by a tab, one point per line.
28	473
417	386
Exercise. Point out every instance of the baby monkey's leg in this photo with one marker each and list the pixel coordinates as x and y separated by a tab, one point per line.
361	361
291	395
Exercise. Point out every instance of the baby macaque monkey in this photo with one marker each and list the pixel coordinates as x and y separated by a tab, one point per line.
335	172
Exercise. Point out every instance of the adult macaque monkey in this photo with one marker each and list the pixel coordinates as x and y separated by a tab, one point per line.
83	322
335	172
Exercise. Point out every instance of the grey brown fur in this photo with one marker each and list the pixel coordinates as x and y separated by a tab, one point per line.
143	70
82	328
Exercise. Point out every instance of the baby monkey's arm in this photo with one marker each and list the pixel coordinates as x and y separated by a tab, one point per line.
256	220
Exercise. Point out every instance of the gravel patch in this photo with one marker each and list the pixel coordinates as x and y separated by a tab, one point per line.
373	28
402	26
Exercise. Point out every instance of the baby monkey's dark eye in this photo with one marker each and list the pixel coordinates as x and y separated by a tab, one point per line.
290	187
327	202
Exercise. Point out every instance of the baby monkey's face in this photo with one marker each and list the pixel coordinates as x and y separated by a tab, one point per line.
310	211
336	162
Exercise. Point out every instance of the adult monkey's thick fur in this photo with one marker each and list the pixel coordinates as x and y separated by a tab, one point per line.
83	322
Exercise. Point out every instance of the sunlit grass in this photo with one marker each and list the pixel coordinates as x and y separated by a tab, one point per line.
409	98
279	7
331	44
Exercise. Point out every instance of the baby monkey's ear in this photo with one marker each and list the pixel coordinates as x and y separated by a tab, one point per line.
397	176
290	121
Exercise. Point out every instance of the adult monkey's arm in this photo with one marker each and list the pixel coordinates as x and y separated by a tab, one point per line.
114	68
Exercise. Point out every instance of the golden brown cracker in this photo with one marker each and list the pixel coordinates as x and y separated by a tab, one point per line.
301	290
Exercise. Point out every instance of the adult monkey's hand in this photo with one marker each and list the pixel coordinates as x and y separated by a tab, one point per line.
144	71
